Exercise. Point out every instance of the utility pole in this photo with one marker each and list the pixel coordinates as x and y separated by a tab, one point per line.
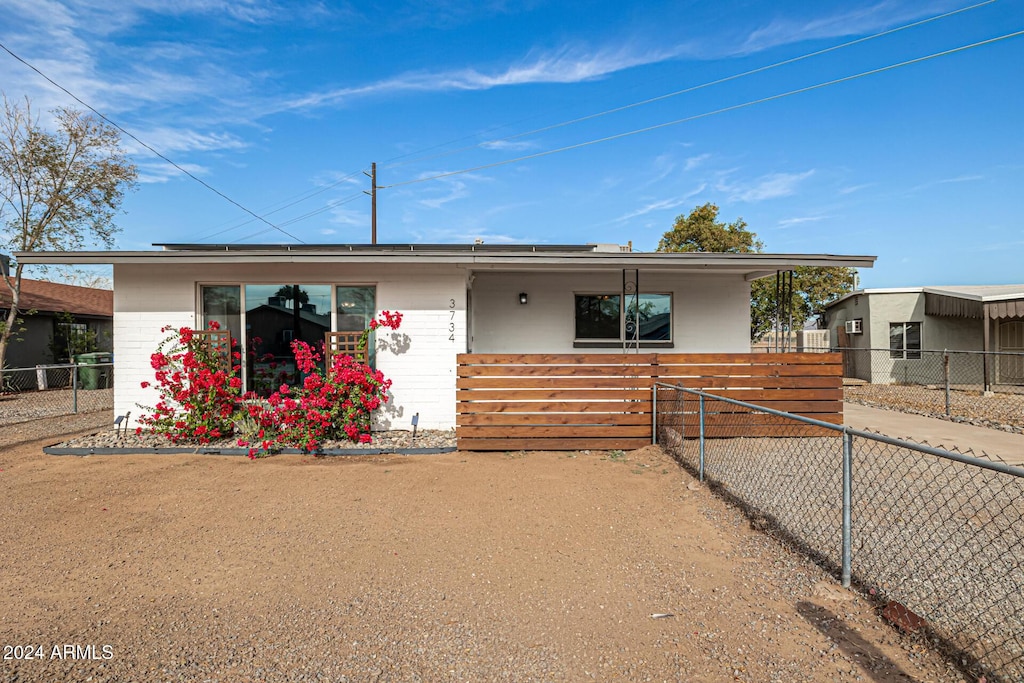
373	201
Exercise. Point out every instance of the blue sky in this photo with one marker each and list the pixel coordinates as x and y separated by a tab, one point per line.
281	105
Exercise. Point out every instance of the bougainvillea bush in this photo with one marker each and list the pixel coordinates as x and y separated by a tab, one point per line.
198	396
200	403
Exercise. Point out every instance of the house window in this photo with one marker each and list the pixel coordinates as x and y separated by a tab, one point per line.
266	319
71	338
905	340
275	316
600	318
222	304
356	308
655	317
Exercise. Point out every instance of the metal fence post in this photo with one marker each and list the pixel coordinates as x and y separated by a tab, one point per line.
701	440
680	408
654	415
985	387
847	507
74	388
945	375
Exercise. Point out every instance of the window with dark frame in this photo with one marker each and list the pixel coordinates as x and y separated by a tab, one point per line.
600	317
266	328
905	340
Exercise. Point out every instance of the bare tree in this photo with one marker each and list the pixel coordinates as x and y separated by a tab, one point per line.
78	277
59	190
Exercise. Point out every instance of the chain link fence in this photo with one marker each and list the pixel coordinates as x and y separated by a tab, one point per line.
48	391
983	388
936	532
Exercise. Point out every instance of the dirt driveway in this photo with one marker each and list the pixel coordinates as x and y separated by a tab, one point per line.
458	567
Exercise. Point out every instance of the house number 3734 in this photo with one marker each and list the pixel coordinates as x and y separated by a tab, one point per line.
451	320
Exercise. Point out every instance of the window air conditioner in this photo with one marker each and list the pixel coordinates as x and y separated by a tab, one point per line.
854	326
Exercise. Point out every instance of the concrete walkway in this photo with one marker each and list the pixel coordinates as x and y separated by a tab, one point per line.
1007	446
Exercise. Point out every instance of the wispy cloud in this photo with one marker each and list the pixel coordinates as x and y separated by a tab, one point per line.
948	181
789	222
854	188
565	65
694	162
509	145
456	189
858	21
661	205
170	140
769	186
153	172
349	218
446	190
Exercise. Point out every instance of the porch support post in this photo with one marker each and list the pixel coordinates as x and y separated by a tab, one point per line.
987	321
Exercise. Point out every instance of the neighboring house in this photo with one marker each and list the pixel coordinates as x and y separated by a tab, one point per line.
496	299
911	321
42	305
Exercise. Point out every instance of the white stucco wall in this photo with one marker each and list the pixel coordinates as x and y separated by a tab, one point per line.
711	313
419	357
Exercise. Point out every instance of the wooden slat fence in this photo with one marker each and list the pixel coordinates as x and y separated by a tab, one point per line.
603	401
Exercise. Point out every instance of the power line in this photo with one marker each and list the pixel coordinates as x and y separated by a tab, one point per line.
588	117
298	199
710	113
684	91
322	209
136	139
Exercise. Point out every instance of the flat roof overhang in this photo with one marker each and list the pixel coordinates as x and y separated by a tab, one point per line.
541	258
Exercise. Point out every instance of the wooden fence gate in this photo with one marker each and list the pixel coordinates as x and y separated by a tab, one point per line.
604	401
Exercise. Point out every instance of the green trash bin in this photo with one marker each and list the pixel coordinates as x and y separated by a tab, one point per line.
94	371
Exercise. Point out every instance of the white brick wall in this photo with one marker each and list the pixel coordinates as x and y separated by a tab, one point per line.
422	370
424	375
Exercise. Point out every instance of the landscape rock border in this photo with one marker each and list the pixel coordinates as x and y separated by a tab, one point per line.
398	442
140	450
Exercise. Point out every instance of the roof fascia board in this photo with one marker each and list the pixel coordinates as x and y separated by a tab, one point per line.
975	297
753	263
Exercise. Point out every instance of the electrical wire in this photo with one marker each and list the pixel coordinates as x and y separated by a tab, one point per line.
684	91
298	199
723	110
136	139
751	72
322	209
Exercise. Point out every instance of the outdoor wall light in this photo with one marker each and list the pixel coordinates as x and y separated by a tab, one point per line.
522	298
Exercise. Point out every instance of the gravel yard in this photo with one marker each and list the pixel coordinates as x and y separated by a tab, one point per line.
38	405
940	536
1004	411
53	429
462	566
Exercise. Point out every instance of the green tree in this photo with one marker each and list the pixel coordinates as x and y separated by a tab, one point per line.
58	190
701	230
813	288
